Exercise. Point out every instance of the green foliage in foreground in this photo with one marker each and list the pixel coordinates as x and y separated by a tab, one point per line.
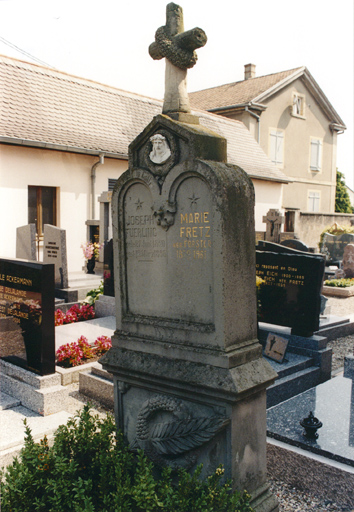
93	295
88	468
340	283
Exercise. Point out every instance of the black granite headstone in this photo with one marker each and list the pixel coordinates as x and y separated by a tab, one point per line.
108	272
290	295
27	335
295	244
333	246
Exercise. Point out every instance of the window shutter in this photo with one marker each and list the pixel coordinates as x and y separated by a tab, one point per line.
276	146
316	155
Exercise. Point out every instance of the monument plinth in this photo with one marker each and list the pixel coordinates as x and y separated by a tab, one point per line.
190	380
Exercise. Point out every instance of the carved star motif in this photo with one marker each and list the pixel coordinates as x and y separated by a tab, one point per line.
193	199
139	204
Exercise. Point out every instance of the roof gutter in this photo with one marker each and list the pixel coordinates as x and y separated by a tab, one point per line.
256	106
93	182
258	120
58	147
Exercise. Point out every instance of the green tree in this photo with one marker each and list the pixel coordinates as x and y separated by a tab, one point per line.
342	198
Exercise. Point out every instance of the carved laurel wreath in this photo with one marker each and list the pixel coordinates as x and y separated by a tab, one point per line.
179	57
172	443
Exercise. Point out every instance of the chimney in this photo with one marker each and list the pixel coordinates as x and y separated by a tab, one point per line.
250	71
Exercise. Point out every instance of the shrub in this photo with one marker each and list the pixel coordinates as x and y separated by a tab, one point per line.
89	468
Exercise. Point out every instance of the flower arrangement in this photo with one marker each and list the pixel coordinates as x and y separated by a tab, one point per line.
74	314
102	345
340	283
91	250
80	351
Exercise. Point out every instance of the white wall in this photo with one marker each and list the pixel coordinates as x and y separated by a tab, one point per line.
70	173
269	194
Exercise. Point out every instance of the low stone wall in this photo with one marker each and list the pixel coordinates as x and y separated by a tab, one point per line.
309	226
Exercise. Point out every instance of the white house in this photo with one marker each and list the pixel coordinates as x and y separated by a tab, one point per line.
64	141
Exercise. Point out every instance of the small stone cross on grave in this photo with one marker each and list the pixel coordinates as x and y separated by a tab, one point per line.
178	48
274	219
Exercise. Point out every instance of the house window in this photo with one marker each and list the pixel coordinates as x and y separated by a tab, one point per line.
313	201
277	146
42	207
315	154
298	106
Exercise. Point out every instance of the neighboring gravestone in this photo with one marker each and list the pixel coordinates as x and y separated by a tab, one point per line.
27	302
291	293
26	242
108	269
274	219
54	251
348	261
295	244
190	380
333	246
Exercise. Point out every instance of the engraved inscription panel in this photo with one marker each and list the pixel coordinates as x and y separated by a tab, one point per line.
146	254
191	251
169	272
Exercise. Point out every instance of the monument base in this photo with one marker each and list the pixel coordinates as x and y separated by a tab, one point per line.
263	500
205	415
41	394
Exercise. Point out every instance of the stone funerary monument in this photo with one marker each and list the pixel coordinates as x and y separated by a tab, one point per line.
190	379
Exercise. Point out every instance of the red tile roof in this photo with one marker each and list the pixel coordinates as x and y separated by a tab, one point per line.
236	93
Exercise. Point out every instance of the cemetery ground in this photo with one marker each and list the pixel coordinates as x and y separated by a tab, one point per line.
322	491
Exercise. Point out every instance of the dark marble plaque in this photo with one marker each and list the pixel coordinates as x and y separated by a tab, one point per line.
27	315
290	295
333	245
108	271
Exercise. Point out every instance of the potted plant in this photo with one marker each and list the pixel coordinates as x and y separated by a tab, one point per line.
91	252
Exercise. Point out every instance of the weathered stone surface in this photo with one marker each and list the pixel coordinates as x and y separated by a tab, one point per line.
178	47
189	377
348	261
26	242
54	251
186	346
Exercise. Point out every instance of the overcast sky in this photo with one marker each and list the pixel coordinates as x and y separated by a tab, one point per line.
108	40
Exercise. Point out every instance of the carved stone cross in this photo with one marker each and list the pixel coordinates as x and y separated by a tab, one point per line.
273	220
178	48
